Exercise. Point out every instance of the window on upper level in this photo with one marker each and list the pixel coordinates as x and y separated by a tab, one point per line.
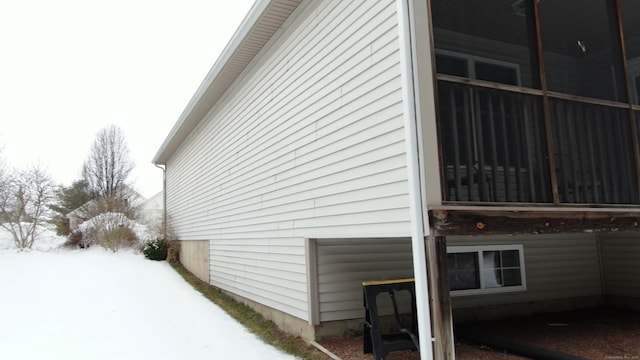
476	67
490	36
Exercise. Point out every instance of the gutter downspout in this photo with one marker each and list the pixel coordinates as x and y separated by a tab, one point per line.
164	200
419	223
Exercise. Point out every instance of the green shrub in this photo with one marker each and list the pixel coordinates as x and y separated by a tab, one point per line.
156	250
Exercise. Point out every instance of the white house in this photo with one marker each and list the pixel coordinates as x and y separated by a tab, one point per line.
91	208
151	211
488	149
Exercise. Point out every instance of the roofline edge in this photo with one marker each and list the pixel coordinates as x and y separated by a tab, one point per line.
184	122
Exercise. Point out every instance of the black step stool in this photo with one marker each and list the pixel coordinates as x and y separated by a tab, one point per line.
404	338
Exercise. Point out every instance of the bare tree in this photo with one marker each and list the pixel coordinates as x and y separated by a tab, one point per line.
25	197
4	183
108	166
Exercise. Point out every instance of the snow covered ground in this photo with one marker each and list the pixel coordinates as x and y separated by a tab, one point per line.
94	304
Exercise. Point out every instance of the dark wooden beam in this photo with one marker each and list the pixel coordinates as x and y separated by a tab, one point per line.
495	222
441	313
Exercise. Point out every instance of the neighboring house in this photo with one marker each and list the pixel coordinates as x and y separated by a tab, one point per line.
151	210
78	216
133	200
335	142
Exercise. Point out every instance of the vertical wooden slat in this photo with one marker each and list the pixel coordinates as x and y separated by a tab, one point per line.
528	150
573	159
456	144
540	156
517	130
609	135
505	149
572	163
617	164
589	122
623	159
581	137
469	140
617	161
605	173
569	169
479	128
564	150
493	188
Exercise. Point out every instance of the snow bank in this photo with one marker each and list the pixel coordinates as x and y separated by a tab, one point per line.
47	240
95	304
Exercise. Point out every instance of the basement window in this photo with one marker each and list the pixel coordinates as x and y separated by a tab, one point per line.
477	270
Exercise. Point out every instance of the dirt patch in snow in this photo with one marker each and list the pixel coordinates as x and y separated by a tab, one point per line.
598	334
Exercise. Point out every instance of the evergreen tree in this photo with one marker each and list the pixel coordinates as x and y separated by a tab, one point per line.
69	198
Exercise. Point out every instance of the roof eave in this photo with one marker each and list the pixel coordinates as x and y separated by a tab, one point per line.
219	78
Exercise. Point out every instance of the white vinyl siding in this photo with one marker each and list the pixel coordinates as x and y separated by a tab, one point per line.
557	267
621	264
308	143
343	264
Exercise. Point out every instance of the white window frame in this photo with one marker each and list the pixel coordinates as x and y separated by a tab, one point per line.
482	290
472	59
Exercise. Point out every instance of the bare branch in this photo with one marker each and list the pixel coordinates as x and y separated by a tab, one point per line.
25	197
108	166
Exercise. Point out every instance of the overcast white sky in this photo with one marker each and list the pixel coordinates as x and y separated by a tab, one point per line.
68	68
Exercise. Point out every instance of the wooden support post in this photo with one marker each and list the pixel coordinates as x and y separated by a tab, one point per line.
442	318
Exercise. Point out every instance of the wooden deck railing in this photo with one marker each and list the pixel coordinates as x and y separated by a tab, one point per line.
594	153
494	147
